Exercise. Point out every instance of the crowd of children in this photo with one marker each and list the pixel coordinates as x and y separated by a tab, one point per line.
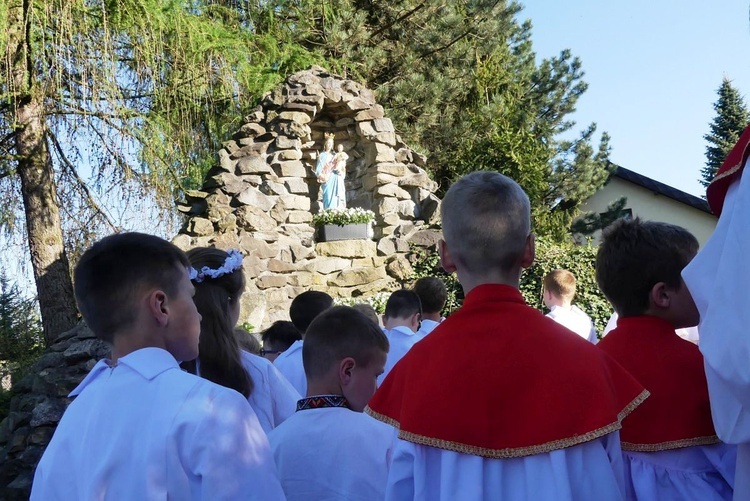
496	402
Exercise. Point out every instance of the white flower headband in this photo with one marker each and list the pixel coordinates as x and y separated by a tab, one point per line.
231	263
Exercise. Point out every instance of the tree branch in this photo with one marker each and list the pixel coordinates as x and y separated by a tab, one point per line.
81	183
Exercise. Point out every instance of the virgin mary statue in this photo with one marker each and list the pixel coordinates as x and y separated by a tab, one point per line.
330	172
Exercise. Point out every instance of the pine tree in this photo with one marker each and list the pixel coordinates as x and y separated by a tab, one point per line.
731	119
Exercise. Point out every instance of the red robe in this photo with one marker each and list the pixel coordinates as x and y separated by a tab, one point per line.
730	170
678	413
498	379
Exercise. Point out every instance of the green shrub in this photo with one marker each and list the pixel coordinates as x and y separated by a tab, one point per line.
578	259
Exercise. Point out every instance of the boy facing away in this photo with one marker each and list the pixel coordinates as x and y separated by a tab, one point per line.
559	289
671	450
329	449
303	310
518	409
140	427
401	319
433	295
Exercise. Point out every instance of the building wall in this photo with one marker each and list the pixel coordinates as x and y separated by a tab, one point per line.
647	204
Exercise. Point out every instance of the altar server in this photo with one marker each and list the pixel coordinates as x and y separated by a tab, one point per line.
401	319
433	295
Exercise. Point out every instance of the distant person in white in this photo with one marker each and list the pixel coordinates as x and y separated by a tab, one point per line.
403	313
219	282
140	428
433	295
559	289
330	450
303	310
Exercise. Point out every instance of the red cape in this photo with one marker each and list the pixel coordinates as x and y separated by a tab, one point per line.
730	171
678	412
499	379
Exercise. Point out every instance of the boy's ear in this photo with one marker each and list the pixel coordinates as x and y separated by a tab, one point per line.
446	260
156	304
529	251
659	296
346	366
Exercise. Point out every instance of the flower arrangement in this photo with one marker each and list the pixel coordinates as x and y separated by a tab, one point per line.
377	301
352	215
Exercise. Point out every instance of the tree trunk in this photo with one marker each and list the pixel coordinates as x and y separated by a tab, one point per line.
35	168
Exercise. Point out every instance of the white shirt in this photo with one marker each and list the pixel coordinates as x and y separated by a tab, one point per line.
688	333
146	430
718	278
273	398
332	454
290	365
698	473
592	471
401	339
574	319
427	327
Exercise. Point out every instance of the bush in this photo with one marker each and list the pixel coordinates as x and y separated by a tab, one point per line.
578	259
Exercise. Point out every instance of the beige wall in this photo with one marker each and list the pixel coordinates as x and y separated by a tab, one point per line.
646	204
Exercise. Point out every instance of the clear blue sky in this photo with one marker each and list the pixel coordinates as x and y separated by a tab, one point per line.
653	68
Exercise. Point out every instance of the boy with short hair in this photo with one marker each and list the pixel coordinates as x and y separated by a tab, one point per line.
278	338
433	295
140	427
329	449
558	291
401	319
501	402
303	310
671	450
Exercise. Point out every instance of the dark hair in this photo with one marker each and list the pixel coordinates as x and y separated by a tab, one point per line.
282	334
114	271
635	255
402	304
307	306
219	352
337	333
432	294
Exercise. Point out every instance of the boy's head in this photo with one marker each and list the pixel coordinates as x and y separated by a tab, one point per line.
134	281
306	307
403	309
344	353
368	311
639	265
432	294
559	288
247	341
278	338
486	227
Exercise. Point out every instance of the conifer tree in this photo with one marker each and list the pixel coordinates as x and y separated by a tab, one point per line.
731	119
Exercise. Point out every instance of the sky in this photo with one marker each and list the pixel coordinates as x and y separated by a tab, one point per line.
653	69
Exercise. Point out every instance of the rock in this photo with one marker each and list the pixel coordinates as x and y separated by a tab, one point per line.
430	209
384	125
253	266
347	248
296	185
279	266
258	247
407	209
326	265
375	112
301	279
390	190
253	308
421	180
253	164
397	170
300	252
357	276
85	349
226	181
294	129
296	202
252	130
292	168
299	216
49	411
386	205
253	196
272	188
371	182
404	155
256	116
279	212
283	142
386	246
426	238
269	281
358	104
227	224
294	116
288	155
399	268
199	226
